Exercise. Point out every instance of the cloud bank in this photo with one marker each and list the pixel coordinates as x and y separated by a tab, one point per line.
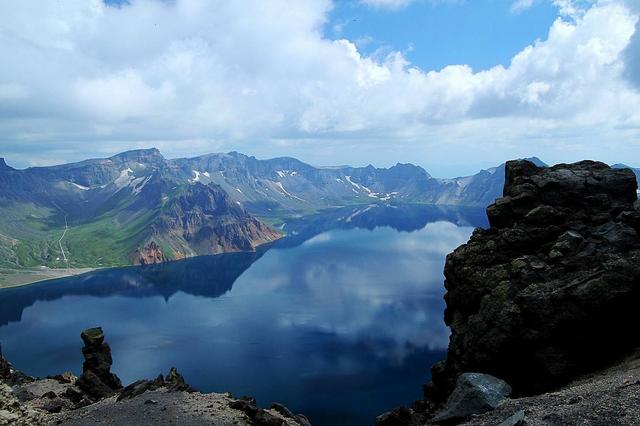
192	76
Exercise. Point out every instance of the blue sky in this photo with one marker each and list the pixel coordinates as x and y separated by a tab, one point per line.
480	33
451	85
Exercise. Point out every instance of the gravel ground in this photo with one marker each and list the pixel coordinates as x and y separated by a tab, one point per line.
161	408
12	412
608	398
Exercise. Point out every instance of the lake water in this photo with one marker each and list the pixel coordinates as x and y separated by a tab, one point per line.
340	321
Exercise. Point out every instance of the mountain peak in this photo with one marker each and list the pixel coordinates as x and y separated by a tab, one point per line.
149	155
410	168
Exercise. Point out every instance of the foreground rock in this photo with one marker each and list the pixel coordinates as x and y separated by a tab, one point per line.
544	298
551	290
475	393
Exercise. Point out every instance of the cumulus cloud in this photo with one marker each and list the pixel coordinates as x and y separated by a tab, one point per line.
193	76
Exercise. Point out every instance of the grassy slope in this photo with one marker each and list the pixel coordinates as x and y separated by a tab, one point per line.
29	237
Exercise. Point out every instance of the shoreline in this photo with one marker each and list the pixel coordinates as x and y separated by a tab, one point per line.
13	278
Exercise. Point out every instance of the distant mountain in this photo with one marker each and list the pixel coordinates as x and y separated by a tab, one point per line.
138	207
280	185
130	208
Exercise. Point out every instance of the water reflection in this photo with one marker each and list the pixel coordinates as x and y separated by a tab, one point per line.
340	321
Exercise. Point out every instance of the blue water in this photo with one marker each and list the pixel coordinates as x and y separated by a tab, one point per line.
340	321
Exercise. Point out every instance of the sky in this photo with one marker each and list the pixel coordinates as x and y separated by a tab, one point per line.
451	85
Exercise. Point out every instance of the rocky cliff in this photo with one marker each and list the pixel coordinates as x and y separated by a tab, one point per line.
547	295
550	290
202	220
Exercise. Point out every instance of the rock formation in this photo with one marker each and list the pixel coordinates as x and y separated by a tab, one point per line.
552	289
149	255
97	380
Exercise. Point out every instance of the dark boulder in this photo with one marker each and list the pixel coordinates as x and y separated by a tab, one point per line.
475	393
96	380
257	415
301	419
551	290
141	386
401	416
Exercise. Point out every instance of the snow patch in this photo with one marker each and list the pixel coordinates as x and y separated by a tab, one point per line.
357	185
139	183
285	173
84	188
284	191
124	179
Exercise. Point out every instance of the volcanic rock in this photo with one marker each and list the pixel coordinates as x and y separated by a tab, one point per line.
96	380
550	291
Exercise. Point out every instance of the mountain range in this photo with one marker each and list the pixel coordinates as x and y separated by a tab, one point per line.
138	207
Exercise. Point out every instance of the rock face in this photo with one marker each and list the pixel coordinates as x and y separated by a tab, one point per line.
551	290
96	380
204	219
149	255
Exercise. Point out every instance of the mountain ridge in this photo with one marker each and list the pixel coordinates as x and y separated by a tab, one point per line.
139	207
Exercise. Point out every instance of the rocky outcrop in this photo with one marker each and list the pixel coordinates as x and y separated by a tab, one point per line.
97	380
203	220
149	255
550	291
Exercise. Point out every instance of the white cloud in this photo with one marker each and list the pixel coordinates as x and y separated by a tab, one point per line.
79	77
521	5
